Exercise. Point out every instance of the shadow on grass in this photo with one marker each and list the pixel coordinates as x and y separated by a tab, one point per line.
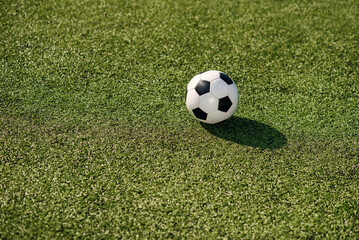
248	132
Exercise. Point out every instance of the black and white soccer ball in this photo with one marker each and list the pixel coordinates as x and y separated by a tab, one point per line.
211	97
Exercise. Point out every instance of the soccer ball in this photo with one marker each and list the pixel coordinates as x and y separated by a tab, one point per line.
211	97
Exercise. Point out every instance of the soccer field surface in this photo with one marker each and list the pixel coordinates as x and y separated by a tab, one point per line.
96	140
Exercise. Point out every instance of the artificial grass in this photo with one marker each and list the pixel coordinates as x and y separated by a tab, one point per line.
109	181
96	140
295	64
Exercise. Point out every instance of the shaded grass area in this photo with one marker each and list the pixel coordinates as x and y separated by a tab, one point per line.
65	180
248	132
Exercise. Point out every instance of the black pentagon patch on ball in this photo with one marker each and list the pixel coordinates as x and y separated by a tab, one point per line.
224	104
225	78
199	114
202	87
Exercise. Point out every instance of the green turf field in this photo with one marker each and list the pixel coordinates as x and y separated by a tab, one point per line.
96	141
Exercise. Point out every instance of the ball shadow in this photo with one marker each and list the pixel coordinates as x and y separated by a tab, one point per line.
248	132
